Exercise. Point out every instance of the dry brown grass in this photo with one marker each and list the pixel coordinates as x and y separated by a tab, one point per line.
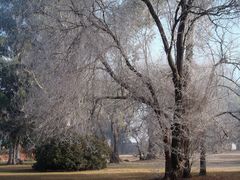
133	170
119	173
219	176
130	172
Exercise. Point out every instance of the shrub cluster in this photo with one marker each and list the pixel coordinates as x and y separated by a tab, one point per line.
84	153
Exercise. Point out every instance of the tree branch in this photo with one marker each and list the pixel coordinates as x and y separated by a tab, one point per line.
104	98
224	86
163	36
137	97
230	113
229	79
146	80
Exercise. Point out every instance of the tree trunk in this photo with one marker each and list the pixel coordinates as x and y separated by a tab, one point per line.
186	151
180	138
176	156
10	154
203	167
17	153
151	146
238	145
140	153
13	153
167	153
175	152
180	154
167	148
114	154
151	153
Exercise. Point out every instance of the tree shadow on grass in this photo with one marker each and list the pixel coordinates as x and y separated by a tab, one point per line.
16	169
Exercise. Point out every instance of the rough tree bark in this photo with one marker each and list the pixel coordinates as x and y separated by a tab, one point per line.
177	133
203	166
167	153
114	158
13	153
114	154
10	154
151	154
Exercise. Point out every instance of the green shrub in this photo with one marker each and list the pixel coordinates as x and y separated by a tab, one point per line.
84	153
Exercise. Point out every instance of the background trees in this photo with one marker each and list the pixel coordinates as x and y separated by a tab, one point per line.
15	124
105	37
16	80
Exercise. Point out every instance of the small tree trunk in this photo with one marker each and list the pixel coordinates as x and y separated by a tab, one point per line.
14	153
203	166
151	153
17	152
114	154
167	153
140	153
238	146
10	154
168	166
187	169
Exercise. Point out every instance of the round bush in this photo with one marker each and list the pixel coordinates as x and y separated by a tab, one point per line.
84	153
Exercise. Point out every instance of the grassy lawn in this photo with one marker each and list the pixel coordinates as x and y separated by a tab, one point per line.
220	167
22	172
117	172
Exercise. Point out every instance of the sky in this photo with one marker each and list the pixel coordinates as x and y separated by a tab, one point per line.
206	38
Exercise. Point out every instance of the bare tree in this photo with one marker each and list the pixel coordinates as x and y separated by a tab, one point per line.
103	36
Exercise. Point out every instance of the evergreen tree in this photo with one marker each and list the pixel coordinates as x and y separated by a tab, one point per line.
15	81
